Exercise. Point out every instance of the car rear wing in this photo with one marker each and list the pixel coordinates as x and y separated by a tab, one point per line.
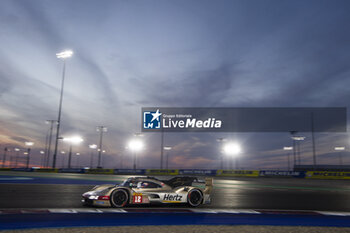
206	185
179	181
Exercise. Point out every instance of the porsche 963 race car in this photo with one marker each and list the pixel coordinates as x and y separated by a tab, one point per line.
148	190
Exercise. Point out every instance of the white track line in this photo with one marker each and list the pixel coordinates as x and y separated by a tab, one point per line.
231	211
199	210
333	213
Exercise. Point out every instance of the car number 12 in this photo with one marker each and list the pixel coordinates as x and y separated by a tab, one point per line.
137	199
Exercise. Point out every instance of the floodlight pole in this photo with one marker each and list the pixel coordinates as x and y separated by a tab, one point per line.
294	149
100	152
168	149
340	149
59	115
288	155
101	129
162	149
91	158
167	160
44	159
313	140
28	156
92	147
70	155
134	160
48	152
135	146
299	155
4	157
17	154
221	140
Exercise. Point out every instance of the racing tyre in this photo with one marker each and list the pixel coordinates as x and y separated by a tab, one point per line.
119	198
194	198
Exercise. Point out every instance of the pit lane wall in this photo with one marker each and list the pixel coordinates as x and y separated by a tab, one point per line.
196	172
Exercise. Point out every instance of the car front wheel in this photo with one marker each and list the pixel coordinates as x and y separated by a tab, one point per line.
119	198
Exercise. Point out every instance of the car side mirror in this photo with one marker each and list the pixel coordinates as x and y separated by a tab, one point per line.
185	189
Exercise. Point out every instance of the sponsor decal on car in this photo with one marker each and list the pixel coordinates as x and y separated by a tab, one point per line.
172	198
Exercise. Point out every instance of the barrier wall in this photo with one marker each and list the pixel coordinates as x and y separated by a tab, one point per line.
44	170
71	170
327	175
246	173
267	173
20	169
200	172
170	172
99	171
196	172
5	169
130	171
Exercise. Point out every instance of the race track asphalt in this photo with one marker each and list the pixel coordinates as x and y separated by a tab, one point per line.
28	190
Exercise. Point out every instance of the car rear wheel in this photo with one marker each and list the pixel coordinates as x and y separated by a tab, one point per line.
194	197
119	198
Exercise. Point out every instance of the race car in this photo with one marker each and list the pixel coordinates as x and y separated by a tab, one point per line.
148	190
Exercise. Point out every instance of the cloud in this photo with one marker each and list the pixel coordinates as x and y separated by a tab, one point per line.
198	162
186	53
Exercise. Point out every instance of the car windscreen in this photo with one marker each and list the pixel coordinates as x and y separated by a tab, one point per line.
128	183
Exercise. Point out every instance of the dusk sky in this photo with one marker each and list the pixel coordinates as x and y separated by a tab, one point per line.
191	53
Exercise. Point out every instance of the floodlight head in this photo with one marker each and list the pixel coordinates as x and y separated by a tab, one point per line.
135	145
288	148
65	54
74	140
93	146
167	148
232	149
103	128
339	148
29	143
298	138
